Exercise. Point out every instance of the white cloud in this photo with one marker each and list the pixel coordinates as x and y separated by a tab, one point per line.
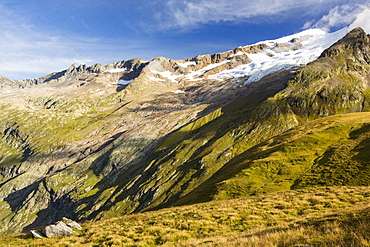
362	20
338	17
28	51
190	13
25	50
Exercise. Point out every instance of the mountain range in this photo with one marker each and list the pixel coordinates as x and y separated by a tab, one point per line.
101	141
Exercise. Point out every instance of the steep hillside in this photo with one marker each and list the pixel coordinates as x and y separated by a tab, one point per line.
324	216
330	151
90	125
101	141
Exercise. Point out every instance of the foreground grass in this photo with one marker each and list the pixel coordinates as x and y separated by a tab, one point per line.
328	216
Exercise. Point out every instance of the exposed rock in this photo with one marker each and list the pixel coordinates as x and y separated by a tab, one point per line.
15	138
60	228
251	49
356	41
160	64
37	234
7	84
97	68
64	227
204	60
284	47
231	64
71	223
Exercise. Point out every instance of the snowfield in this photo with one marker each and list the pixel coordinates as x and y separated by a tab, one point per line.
117	70
314	42
283	53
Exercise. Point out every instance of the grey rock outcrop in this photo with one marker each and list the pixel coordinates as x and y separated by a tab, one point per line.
37	234
251	49
64	227
71	223
60	228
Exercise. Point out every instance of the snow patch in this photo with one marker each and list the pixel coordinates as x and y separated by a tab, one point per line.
185	65
156	79
117	70
237	54
168	75
191	76
123	82
178	91
362	20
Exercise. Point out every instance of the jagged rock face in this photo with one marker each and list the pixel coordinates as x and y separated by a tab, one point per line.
251	49
234	62
7	84
98	141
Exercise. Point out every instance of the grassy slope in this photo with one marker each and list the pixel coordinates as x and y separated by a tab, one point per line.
329	151
76	140
188	156
325	216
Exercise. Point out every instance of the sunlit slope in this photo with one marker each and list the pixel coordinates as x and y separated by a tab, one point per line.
334	150
322	216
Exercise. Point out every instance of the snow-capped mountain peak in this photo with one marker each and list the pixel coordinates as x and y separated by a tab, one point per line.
251	62
284	53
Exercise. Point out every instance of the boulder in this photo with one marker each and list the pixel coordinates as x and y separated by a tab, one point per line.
63	227
71	223
37	234
60	228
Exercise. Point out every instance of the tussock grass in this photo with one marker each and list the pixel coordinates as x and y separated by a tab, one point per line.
326	216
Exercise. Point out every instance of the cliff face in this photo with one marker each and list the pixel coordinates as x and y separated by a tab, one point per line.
99	141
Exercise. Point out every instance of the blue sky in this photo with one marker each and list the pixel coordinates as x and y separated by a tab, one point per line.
38	37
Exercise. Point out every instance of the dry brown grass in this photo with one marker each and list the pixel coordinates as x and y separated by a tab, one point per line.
331	216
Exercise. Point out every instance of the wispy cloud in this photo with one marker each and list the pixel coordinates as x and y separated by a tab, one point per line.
191	13
362	20
29	51
26	50
338	17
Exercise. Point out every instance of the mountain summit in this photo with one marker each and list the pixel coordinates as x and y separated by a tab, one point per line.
94	142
